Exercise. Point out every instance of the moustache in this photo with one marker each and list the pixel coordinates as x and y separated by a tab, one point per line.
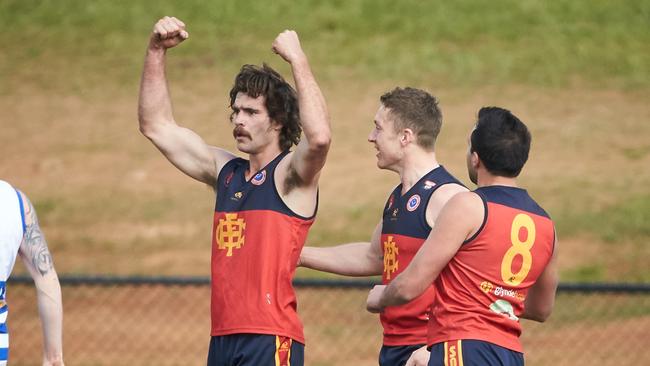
239	131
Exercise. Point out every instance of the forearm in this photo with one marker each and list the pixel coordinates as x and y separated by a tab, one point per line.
349	260
154	105
396	293
314	115
539	304
50	310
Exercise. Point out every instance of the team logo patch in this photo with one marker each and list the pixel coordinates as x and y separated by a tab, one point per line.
504	308
428	184
259	178
238	195
230	233
391	250
486	286
413	202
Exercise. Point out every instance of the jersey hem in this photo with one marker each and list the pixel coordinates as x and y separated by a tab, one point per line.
268	331
403	340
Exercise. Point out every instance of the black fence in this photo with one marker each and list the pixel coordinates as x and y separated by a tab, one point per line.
166	321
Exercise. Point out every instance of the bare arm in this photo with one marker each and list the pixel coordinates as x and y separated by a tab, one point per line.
309	157
354	259
440	198
541	296
36	256
458	220
181	146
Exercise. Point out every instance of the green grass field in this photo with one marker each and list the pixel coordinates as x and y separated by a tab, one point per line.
578	72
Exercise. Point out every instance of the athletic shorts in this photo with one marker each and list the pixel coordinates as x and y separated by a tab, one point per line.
255	350
469	352
396	355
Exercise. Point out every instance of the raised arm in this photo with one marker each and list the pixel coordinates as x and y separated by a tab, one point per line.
36	256
354	259
309	157
181	146
541	296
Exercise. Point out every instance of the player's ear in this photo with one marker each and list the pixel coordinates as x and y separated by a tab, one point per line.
277	126
475	160
407	136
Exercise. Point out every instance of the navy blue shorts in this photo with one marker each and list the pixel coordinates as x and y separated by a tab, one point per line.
470	352
255	350
396	355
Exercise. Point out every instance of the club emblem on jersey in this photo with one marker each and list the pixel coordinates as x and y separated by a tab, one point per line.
229	178
486	286
391	264
230	233
428	184
395	211
259	178
504	308
238	195
413	202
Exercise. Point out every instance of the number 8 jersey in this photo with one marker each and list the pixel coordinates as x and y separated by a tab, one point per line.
480	293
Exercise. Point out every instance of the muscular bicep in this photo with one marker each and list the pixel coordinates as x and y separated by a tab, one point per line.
455	223
33	249
440	197
188	152
306	163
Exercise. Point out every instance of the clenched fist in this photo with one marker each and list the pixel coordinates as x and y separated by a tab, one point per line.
373	303
167	33
287	45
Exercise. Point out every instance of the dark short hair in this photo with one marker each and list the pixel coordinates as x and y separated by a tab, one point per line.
281	100
415	109
501	141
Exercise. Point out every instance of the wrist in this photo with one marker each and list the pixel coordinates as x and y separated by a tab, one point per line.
155	48
300	61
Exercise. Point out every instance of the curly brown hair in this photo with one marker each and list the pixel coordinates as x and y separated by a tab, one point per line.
281	99
415	109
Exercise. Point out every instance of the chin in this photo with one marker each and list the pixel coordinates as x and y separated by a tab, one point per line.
244	148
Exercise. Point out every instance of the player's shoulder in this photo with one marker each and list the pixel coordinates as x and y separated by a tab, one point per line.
444	193
466	200
8	189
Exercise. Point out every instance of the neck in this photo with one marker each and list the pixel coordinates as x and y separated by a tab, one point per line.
486	179
260	159
415	166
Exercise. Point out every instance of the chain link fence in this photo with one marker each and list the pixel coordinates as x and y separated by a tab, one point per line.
165	321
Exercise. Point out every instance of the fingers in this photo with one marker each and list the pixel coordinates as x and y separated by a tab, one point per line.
170	27
287	45
285	38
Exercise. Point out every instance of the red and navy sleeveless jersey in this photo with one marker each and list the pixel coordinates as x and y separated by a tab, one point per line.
480	294
404	230
256	243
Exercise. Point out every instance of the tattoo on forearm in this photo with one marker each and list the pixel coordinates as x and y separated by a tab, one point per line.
35	244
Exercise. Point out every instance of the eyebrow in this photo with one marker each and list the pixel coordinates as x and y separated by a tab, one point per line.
245	109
